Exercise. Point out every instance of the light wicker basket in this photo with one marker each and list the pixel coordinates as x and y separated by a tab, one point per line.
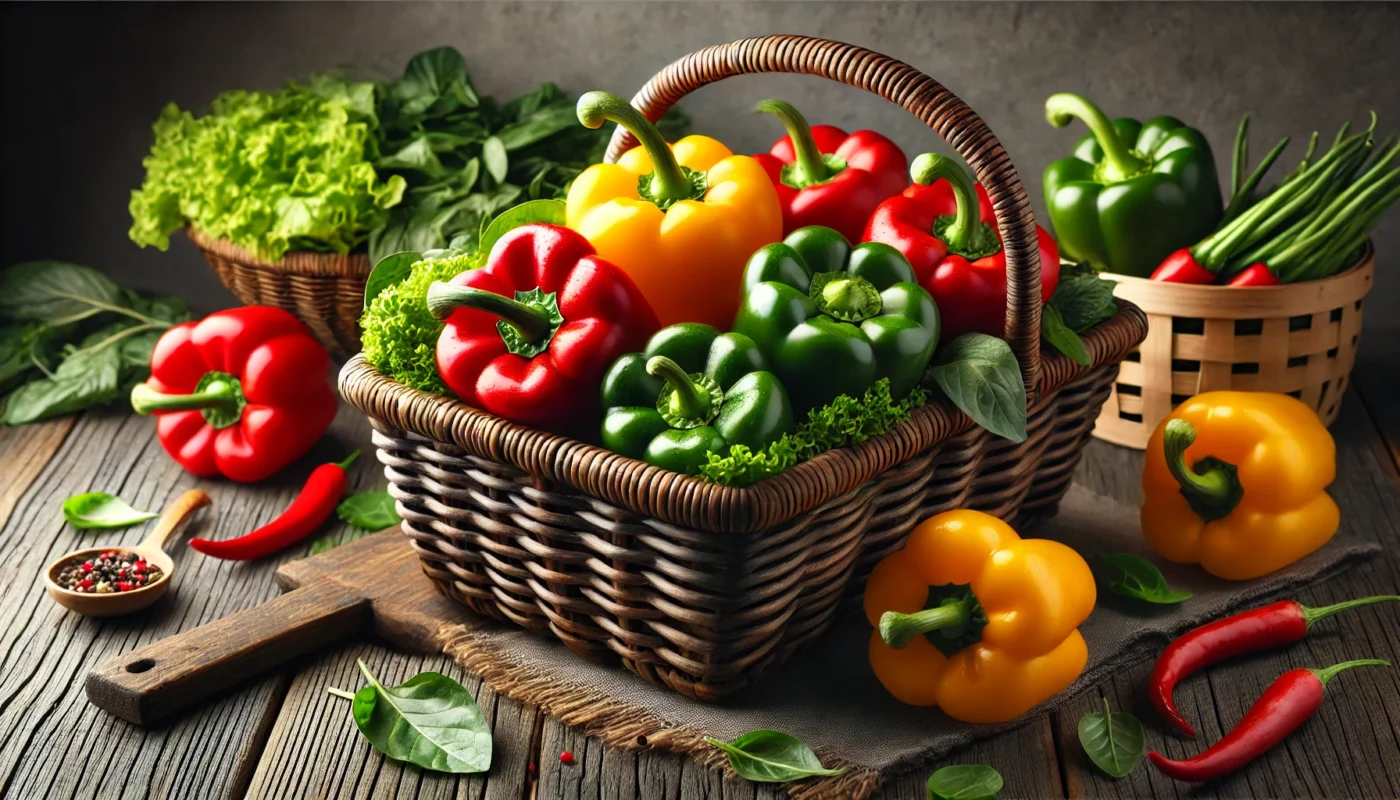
704	588
1297	338
324	290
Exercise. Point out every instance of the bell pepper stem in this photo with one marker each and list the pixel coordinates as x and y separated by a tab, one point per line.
1311	615
898	629
810	166
215	394
1211	487
964	235
1119	160
532	323
1327	674
688	400
669	182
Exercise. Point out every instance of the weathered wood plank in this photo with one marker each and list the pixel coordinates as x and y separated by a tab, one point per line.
24	451
53	743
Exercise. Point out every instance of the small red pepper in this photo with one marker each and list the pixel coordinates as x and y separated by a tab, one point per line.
941	225
825	177
1286	704
1257	274
308	512
1274	625
241	393
1182	267
529	335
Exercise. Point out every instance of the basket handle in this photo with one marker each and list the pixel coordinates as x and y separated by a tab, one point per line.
916	93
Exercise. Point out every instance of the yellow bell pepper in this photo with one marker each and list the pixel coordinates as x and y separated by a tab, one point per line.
976	620
1254	499
682	220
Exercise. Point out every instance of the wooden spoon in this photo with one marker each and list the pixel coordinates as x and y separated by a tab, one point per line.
113	604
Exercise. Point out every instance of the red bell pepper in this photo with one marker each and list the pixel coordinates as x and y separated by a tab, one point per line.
825	177
529	335
241	393
956	255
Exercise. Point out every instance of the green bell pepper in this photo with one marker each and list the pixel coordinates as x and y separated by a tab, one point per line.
1132	193
692	392
833	319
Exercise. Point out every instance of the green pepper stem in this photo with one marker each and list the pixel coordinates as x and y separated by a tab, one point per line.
1120	162
964	235
687	399
532	323
810	166
897	629
1213	493
216	394
350	459
1325	675
1311	615
669	183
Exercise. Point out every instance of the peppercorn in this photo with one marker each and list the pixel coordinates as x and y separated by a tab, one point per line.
112	571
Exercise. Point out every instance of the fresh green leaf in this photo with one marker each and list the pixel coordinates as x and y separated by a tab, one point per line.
430	76
83	379
17	353
1082	297
1054	330
980	375
56	292
964	782
429	720
398	332
369	511
1113	741
388	271
1142	580
417	155
772	757
101	510
493	153
548	211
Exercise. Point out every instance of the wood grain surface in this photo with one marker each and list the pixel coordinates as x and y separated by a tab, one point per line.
283	736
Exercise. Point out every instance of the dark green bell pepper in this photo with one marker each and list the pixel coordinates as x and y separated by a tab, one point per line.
692	392
1132	193
833	319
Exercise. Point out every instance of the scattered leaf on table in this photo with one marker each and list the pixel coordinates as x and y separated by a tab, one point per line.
368	511
772	757
101	510
964	782
429	720
1142	580
1112	740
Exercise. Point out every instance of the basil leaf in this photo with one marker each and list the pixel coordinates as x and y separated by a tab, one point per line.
772	757
16	352
1113	741
980	375
429	720
1142	580
56	292
964	782
417	155
431	75
493	152
1082	297
1054	330
388	271
549	211
83	379
369	511
101	510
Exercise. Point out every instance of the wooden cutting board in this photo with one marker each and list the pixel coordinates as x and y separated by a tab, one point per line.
373	584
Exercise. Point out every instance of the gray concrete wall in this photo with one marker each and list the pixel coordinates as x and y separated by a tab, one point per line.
81	84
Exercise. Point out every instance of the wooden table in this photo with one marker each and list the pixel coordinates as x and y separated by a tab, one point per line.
284	737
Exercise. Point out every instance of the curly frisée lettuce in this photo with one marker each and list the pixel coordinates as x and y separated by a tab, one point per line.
270	172
398	332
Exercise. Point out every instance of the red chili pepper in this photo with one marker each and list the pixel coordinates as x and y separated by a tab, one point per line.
529	335
1257	274
1286	704
1182	267
307	512
1274	625
825	177
944	225
241	393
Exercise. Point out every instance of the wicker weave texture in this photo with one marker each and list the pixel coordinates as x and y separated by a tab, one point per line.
1299	339
324	290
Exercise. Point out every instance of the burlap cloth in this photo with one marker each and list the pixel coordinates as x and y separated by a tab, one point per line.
828	697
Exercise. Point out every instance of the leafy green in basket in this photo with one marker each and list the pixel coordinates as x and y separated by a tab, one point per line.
964	782
1082	298
772	757
1139	578
1054	330
101	510
980	375
429	720
1112	740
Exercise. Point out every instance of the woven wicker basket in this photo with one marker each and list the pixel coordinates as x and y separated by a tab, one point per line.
703	588
1297	338
324	290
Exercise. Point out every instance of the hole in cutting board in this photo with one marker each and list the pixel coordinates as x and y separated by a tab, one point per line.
141	665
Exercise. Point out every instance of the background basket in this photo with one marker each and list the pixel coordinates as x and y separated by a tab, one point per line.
1296	338
324	290
699	587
